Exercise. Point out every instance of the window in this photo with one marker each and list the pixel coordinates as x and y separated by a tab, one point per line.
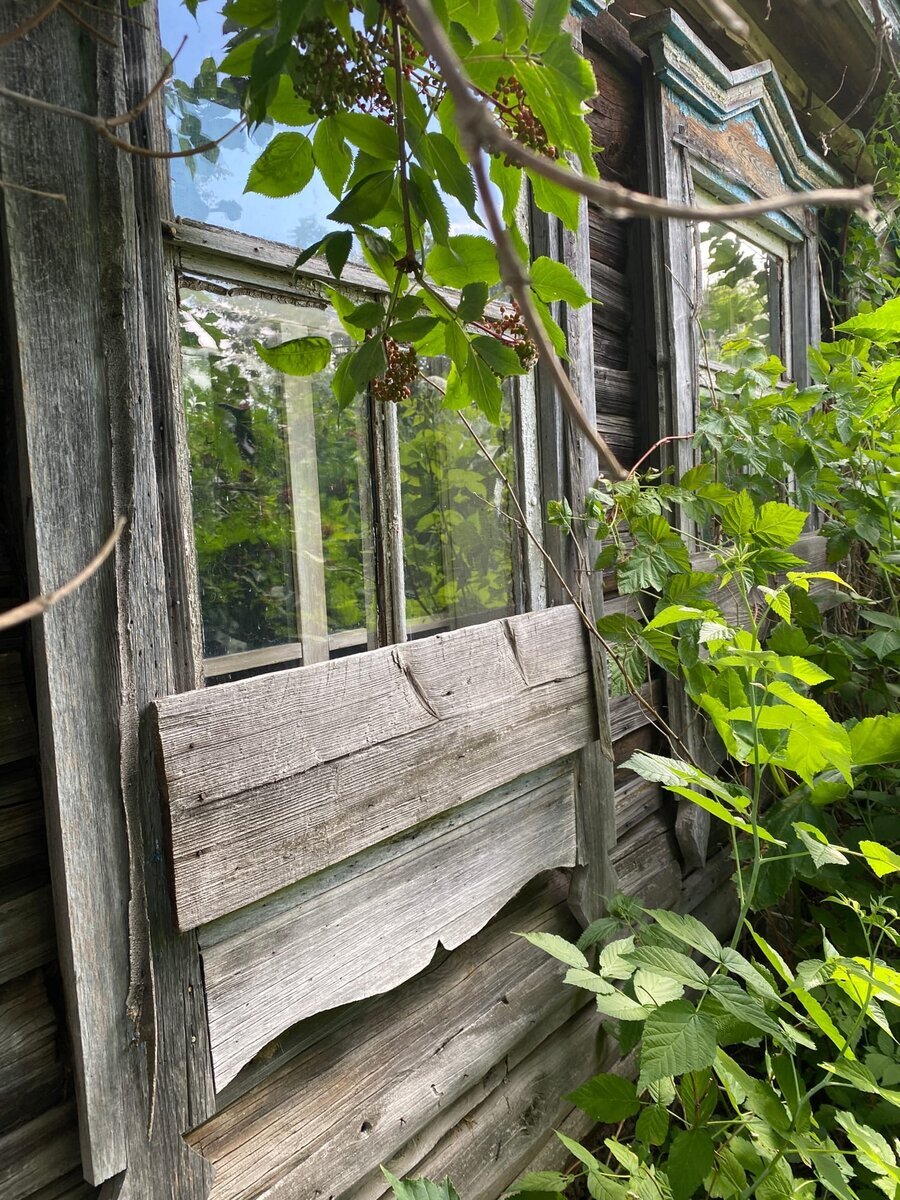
322	532
724	136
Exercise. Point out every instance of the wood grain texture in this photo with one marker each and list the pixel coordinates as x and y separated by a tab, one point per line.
22	837
38	1153
332	1115
484	1153
27	934
77	280
352	752
366	928
18	738
32	1074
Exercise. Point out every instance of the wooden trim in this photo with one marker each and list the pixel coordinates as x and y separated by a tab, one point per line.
358	749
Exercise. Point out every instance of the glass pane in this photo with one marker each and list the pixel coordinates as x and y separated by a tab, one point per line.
282	538
740	292
458	538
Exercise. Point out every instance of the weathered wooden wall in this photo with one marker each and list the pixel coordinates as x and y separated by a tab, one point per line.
39	1154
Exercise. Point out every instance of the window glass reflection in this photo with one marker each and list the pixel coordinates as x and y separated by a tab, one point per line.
740	292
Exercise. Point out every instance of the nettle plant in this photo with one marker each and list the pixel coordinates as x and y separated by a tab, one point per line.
356	98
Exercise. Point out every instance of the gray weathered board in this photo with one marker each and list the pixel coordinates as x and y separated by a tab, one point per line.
375	921
272	779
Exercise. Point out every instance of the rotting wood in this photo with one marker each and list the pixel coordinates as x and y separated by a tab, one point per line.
253	806
321	946
308	1129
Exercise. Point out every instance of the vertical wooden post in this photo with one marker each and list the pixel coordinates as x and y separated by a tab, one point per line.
309	557
84	284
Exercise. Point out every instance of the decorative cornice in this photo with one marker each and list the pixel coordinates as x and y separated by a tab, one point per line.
589	8
706	88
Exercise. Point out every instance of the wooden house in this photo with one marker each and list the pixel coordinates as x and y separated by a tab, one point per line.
273	814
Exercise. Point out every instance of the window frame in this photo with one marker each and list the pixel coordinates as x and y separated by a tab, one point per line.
200	254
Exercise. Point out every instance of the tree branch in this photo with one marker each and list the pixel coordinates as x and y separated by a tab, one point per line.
40	604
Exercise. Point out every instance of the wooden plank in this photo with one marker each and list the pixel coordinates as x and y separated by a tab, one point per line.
309	557
18	738
135	1007
354	751
32	1074
38	1153
648	863
364	929
486	1151
27	933
331	1116
22	835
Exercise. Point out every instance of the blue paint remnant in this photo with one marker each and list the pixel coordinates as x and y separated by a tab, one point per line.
589	8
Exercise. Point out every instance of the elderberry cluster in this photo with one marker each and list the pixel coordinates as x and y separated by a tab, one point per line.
510	329
519	118
332	75
401	371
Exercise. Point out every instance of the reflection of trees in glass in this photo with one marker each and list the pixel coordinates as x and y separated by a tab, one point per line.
239	415
737	299
457	537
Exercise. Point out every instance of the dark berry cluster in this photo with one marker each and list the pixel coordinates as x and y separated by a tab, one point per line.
401	372
518	116
510	329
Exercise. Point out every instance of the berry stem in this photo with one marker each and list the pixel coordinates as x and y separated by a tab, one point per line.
409	262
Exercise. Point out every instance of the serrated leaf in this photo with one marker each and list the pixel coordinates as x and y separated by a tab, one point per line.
414	329
420	1189
366	316
546	23
881	860
553	1182
284	168
333	159
466	258
744	1007
578	1151
677	1039
368	133
502	360
557	947
817	845
670	963
369	362
690	1160
875	740
365	200
738	515
554	281
778	525
689	930
473	299
607	1098
652	1125
299	356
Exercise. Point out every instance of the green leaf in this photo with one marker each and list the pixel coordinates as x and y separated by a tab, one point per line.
542	1181
369	134
689	930
473	299
484	388
454	175
427	199
420	1189
369	362
652	1125
677	1039
287	108
333	159
882	325
513	26
778	525
552	329
690	1160
578	1151
739	1004
558	947
466	258
284	168
502	360
546	23
413	329
738	516
300	356
337	247
817	845
875	740
554	198
554	281
365	200
881	860
670	963
457	344
607	1098
366	316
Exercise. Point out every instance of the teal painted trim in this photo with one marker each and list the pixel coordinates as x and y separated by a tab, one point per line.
705	87
589	8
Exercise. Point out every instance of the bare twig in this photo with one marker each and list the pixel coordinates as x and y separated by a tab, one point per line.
88	27
663	441
479	131
29	23
729	19
40	604
21	187
105	125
